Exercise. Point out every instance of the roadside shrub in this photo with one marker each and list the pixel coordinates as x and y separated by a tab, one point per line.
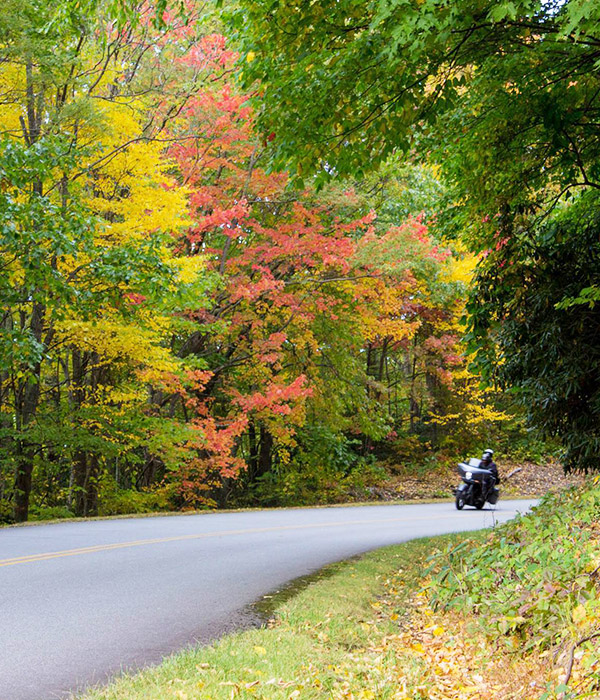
535	581
313	485
6	512
325	468
116	501
49	512
532	450
406	448
364	475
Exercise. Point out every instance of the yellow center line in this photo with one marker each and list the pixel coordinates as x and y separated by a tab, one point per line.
28	559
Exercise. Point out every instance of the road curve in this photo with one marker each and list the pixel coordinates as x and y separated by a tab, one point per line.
81	601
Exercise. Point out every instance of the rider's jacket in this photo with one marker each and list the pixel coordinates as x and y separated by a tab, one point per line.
492	467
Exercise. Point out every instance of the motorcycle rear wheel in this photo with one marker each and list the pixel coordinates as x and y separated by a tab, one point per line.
460	501
479	504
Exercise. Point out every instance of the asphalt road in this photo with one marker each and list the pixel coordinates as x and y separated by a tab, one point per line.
81	601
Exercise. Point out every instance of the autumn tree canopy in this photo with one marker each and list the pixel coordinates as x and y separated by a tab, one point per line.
504	97
182	325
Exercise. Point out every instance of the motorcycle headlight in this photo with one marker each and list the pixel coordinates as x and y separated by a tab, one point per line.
468	475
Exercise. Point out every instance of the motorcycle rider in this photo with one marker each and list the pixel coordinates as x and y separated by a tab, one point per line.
477	487
488	463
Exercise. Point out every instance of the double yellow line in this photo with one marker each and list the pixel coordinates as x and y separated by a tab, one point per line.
32	558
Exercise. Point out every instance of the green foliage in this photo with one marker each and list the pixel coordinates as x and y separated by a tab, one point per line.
534	580
518	443
325	468
50	512
418	73
397	191
118	501
321	447
549	352
36	231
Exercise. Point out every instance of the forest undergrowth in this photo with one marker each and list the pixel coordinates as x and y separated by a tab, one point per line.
524	604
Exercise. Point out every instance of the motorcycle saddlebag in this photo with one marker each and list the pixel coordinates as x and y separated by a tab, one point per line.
493	496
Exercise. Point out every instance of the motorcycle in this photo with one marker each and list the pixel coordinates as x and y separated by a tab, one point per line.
477	486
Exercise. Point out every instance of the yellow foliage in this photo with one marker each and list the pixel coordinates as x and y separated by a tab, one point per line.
131	187
386	316
188	268
117	342
122	395
12	78
394	328
459	268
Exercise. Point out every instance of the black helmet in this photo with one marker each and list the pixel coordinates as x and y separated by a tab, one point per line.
487	455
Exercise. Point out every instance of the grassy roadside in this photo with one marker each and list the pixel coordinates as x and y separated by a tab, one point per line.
327	641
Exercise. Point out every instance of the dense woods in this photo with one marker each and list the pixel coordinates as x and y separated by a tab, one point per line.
180	327
236	271
503	97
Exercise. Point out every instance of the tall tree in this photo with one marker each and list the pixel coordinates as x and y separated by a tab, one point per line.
87	211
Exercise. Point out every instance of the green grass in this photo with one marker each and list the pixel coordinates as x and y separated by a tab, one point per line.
305	651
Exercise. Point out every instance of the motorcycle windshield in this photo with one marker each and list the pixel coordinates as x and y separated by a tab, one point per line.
476	474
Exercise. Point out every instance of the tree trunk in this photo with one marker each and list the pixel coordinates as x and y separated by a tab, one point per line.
265	454
26	407
414	407
22	486
252	470
86	473
80	472
28	393
260	459
91	501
